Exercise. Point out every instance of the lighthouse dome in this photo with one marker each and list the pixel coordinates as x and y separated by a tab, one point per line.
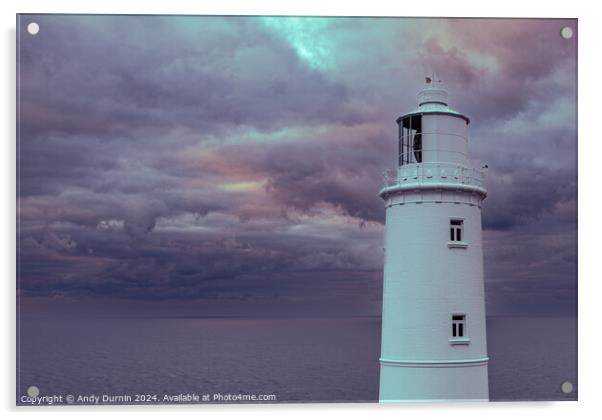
432	95
433	99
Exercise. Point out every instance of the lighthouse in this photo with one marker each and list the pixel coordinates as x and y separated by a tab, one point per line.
433	318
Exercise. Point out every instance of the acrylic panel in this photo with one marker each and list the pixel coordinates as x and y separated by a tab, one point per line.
261	209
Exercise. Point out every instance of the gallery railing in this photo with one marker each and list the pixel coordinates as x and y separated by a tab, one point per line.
435	172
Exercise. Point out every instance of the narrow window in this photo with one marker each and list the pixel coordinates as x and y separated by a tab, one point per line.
458	322
410	140
416	145
455	230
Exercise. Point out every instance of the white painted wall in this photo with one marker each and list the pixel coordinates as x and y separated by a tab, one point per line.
425	282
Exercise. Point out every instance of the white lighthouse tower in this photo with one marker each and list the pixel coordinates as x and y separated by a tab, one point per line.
433	326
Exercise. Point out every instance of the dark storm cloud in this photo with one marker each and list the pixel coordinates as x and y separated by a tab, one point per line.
130	76
127	97
209	266
519	197
239	159
315	169
493	61
334	177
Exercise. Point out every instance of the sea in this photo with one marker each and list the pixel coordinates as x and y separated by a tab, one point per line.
233	360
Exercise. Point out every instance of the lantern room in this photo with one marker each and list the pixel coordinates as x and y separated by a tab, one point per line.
433	132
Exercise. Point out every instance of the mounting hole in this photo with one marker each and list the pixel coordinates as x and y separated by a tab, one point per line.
33	28
566	387
33	391
566	32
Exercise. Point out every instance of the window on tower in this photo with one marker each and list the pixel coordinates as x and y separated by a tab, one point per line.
456	227
458	325
410	140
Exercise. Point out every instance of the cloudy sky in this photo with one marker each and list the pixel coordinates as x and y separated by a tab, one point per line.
230	166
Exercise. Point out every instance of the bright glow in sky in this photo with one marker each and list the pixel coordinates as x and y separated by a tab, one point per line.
309	37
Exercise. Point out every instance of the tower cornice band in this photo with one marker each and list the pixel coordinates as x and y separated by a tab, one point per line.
438	186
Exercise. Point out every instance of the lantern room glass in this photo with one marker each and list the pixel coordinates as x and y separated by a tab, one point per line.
410	140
